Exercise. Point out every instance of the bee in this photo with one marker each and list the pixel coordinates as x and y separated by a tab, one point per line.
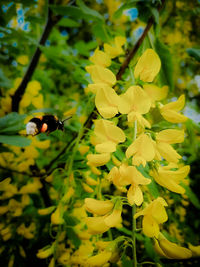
44	124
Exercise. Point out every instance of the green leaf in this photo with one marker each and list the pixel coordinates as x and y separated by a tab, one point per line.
155	14
166	71
126	262
73	237
15	140
192	197
66	22
12	123
100	31
4	81
89	12
194	52
70	220
153	189
71	11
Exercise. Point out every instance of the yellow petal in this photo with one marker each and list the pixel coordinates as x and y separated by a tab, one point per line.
106	147
195	249
96	225
155	93
100	58
147	66
46	211
100	259
98	207
170	136
173	250
159	212
159	250
45	252
135	195
101	75
173	116
176	105
134	99
168	152
98	159
106	101
113	219
150	226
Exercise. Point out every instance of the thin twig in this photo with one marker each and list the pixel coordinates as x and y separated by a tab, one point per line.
136	46
16	98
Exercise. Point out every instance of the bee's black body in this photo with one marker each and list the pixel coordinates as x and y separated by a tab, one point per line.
44	124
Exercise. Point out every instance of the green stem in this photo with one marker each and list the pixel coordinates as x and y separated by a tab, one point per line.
133	238
134	220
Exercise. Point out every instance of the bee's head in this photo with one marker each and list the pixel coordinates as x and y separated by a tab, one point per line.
60	125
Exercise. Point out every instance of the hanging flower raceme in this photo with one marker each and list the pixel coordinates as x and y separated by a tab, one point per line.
170	111
106	136
116	49
135	102
163	147
155	93
147	66
171	179
129	175
142	150
153	215
110	215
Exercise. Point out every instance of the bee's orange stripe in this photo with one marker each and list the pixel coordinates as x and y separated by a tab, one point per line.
44	128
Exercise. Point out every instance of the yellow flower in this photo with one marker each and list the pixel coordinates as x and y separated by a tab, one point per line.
91	181
83	149
106	101
142	150
56	217
126	175
31	188
100	58
96	225
98	207
155	93
171	179
100	74
98	159
172	250
45	252
106	136
41	144
114	219
135	102
170	111
163	148
26	232
46	211
195	250
116	49
33	88
154	214
87	188
37	101
23	59
147	66
100	259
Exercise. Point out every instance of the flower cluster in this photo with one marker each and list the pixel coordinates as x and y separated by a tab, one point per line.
148	147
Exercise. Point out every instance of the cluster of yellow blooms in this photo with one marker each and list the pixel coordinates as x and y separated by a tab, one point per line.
147	146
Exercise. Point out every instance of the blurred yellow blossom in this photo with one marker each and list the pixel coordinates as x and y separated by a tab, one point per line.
98	159
45	252
155	93
23	59
100	74
100	58
100	259
27	232
98	207
115	49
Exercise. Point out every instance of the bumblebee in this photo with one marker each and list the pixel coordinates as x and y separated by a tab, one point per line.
44	124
